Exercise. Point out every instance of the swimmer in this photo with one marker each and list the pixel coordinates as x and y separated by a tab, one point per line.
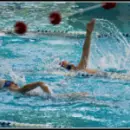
12	86
82	66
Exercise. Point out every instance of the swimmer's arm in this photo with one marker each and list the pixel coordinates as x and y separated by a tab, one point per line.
34	85
86	47
85	54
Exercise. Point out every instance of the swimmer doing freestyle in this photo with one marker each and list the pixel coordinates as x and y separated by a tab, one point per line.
82	66
12	86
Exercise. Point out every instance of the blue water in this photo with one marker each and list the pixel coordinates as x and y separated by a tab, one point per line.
30	59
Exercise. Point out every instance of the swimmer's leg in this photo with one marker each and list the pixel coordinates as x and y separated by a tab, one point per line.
72	95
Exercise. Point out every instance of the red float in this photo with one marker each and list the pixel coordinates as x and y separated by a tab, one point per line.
20	28
55	18
108	5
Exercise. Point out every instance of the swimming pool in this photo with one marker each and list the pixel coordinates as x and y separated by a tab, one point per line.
34	58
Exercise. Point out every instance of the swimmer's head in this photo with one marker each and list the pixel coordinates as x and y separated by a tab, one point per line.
67	65
11	84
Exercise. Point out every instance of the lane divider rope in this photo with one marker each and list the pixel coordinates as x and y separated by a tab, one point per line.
16	124
59	33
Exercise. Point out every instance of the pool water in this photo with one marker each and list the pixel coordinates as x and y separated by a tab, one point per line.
34	58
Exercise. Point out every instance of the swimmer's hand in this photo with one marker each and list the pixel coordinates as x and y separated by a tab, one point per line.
44	87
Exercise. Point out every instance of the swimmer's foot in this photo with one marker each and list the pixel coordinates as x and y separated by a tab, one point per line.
80	94
90	26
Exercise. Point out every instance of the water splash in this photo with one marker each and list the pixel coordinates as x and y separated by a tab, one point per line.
112	50
6	71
